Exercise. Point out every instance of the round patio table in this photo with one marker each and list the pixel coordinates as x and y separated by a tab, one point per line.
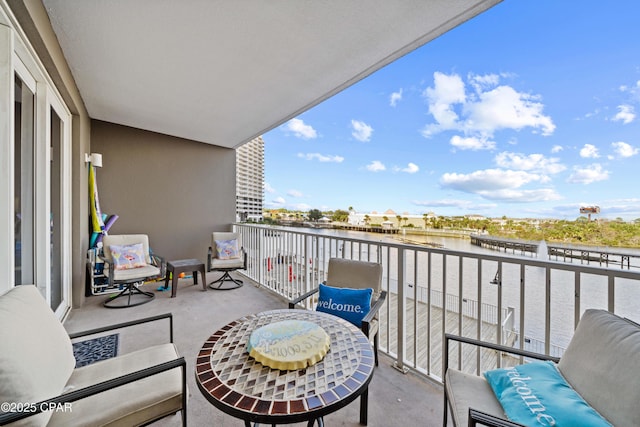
240	386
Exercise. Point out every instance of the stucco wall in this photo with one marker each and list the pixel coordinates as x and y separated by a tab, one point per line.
175	190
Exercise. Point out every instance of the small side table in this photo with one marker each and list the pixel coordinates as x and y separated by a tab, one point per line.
182	266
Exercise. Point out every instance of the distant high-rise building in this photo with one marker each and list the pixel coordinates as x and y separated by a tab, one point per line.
250	180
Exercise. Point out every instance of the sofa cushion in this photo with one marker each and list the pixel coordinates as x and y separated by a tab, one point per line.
128	405
536	394
601	362
466	391
40	360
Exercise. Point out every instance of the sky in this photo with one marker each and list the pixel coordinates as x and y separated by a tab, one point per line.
529	110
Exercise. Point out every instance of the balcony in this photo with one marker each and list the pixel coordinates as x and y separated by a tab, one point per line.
198	314
526	301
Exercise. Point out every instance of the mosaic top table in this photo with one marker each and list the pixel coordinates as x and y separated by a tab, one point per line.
242	387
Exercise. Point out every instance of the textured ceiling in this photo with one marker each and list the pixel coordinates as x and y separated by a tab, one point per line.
224	72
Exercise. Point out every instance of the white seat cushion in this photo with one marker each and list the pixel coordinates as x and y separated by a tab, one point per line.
227	263
136	273
131	404
466	391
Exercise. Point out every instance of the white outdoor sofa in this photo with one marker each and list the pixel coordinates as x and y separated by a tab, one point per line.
601	363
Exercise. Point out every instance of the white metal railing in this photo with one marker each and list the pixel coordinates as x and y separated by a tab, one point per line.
516	298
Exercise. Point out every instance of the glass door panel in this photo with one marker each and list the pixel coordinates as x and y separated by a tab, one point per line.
55	217
24	206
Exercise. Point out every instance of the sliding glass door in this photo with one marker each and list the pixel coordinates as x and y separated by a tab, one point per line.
35	166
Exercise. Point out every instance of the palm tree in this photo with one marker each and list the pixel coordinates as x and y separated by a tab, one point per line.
399	218
367	218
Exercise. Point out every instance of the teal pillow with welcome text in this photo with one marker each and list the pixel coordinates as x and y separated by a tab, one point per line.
536	394
350	304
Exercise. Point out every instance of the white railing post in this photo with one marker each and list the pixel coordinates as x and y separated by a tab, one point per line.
399	365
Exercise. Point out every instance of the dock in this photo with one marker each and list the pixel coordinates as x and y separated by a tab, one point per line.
604	257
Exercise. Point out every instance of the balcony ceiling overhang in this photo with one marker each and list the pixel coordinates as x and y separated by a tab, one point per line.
224	72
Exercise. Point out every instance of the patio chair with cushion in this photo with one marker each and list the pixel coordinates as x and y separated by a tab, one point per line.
129	262
593	383
226	255
353	291
38	374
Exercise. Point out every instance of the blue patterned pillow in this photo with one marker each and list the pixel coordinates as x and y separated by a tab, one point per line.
350	304
536	394
227	249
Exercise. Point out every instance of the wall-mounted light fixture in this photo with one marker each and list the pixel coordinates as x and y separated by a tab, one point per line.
94	158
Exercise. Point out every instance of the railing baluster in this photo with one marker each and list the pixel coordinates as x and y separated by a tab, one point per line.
399	365
522	299
547	310
576	294
272	252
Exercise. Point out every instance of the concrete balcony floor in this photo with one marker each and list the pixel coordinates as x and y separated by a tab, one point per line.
395	399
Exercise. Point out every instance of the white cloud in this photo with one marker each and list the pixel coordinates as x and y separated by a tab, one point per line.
321	157
300	129
411	168
395	97
444	203
446	91
268	188
488	179
589	174
527	196
623	149
279	201
504	108
484	112
532	162
294	193
376	166
556	149
626	114
483	82
634	90
472	143
589	151
498	184
361	130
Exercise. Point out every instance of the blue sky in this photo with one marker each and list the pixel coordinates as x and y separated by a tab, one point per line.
528	110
